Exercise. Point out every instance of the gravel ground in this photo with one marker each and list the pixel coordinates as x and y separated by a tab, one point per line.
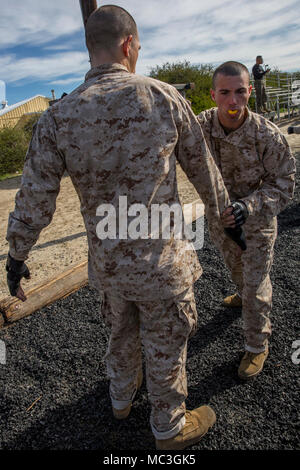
54	391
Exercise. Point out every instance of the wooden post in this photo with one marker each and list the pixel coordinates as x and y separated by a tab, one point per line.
87	8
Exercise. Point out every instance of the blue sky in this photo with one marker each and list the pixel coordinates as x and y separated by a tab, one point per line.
42	42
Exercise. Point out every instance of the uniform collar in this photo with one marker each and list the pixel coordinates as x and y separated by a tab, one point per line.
104	69
235	136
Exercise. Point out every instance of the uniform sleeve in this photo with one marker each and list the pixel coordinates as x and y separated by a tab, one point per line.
278	185
198	164
35	202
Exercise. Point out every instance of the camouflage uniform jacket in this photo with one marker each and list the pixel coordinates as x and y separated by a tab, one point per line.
255	161
118	134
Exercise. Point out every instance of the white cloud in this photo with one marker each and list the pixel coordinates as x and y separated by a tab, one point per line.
43	68
68	81
37	22
232	30
201	32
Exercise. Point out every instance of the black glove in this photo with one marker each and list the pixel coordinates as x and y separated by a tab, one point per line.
240	212
290	130
15	271
237	235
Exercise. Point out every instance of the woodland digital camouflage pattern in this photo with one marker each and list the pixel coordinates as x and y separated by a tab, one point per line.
258	168
120	134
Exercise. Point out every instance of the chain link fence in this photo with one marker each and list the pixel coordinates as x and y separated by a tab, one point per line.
283	95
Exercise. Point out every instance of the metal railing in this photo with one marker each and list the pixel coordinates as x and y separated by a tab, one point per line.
283	94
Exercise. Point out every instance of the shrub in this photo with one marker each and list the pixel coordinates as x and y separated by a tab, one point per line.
14	142
184	72
13	147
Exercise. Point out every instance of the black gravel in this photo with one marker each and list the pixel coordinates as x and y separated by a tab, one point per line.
56	356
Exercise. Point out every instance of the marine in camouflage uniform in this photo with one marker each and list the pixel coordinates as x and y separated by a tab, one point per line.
120	134
258	169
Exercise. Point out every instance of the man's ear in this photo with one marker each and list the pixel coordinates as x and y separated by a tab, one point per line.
250	90
126	45
212	94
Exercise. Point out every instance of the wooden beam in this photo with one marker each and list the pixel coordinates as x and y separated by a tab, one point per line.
87	8
59	287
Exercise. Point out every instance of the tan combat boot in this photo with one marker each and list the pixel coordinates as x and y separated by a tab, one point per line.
197	423
252	364
123	414
232	301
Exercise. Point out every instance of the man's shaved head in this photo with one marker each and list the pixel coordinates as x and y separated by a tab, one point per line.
106	26
230	68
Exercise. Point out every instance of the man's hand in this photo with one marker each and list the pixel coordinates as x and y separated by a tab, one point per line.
15	271
240	212
227	217
235	215
232	218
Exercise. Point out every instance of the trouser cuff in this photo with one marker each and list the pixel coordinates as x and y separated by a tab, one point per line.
161	435
121	404
255	350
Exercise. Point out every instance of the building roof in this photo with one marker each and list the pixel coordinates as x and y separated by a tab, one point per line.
7	109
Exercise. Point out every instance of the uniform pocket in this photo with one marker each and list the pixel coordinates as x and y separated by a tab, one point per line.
187	311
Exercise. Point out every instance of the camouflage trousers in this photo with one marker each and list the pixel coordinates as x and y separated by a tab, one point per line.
163	328
261	97
250	271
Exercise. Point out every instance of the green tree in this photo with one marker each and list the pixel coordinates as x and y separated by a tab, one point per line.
13	147
184	72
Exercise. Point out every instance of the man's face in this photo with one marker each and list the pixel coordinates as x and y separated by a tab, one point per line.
231	94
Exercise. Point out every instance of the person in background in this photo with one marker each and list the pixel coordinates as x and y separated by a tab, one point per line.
259	84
